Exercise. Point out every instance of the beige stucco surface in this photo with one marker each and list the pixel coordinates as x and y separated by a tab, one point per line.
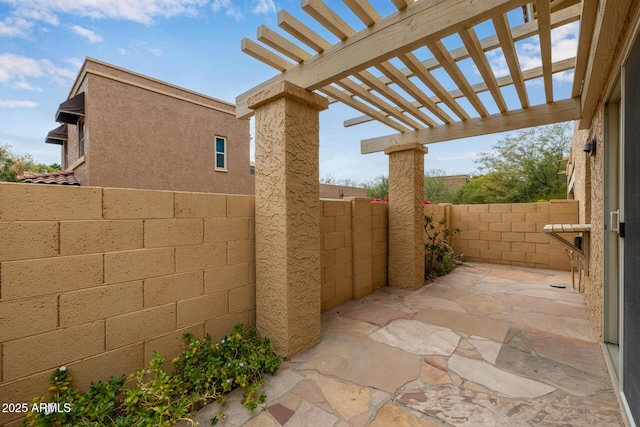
287	216
102	277
406	217
510	234
144	133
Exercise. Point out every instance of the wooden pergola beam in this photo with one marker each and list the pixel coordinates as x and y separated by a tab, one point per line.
402	4
470	40
501	25
544	23
612	17
364	11
530	74
429	21
375	83
252	48
363	108
444	57
587	21
328	18
301	32
392	111
282	45
517	119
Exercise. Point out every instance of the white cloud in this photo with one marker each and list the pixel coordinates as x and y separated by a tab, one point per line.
264	6
142	11
15	69
87	34
229	8
12	27
564	44
9	103
564	77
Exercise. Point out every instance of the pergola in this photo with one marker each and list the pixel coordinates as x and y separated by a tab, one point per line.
378	72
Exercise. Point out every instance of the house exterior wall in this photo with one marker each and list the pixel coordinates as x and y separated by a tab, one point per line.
146	134
590	185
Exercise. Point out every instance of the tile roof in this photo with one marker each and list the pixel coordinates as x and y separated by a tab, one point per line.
63	178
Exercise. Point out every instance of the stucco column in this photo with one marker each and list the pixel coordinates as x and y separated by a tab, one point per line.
288	216
406	215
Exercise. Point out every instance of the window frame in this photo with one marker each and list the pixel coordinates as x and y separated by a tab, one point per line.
223	153
82	138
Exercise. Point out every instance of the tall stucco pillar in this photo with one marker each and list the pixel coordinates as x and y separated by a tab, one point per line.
287	216
406	215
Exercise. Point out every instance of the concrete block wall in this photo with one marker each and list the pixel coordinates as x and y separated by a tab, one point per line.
511	234
354	249
97	279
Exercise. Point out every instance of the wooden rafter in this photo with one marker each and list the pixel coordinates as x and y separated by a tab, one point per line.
363	108
429	21
375	83
392	111
328	18
402	4
393	73
544	23
611	19
530	74
301	32
538	115
364	11
418	69
501	25
587	21
282	45
444	57
470	40
252	48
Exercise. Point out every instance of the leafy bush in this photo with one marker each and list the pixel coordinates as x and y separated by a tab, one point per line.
439	258
205	372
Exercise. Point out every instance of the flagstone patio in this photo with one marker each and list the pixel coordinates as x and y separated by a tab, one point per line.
486	345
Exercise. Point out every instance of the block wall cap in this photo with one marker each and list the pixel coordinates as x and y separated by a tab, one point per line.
288	90
405	147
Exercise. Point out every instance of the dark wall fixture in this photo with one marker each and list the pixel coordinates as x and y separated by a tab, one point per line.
590	147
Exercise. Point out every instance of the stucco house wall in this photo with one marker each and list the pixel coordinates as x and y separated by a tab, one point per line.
146	134
589	178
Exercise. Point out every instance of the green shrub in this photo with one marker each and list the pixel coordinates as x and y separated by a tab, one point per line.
205	372
439	258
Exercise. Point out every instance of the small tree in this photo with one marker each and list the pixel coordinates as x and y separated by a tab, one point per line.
522	167
438	255
378	188
12	165
436	188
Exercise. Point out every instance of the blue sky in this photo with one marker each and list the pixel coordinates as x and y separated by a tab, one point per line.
196	44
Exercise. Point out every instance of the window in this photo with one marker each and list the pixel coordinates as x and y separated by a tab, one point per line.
65	155
81	139
221	153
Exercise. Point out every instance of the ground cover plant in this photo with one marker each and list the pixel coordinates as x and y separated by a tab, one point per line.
439	258
206	371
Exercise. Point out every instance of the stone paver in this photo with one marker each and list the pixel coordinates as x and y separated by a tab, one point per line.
415	337
363	362
474	325
486	345
391	415
496	379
